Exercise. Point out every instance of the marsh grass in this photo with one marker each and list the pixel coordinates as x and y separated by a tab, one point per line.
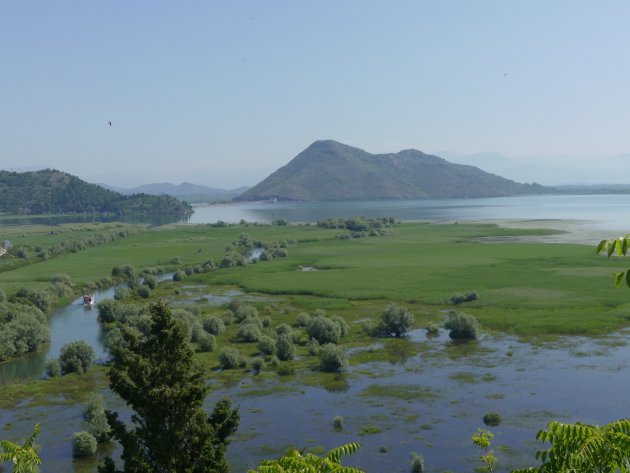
369	430
423	263
63	390
401	391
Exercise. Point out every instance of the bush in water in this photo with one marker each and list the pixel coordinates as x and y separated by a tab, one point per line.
76	357
83	445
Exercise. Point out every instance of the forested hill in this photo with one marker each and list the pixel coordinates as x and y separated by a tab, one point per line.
328	170
55	192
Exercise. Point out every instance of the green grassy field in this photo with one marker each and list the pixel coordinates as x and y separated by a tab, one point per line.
528	289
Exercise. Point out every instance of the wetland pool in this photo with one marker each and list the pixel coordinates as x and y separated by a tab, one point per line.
429	398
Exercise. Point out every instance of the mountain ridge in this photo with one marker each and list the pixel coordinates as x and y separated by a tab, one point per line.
329	170
51	191
183	190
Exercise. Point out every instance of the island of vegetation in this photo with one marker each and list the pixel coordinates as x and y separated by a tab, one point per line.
55	192
328	170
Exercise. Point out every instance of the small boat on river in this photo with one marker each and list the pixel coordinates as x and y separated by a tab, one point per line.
88	299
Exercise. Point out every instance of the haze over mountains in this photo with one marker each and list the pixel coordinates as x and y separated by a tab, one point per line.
549	170
328	170
185	191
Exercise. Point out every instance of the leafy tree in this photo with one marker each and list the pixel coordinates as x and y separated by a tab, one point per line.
243	312
207	342
267	345
302	319
294	462
62	278
396	320
83	444
323	330
462	326
467	297
620	247
23	328
159	379
332	358
230	358
214	325
53	368
257	364
285	348
483	438
144	292
95	420
23	457
248	332
76	357
284	329
584	448
150	281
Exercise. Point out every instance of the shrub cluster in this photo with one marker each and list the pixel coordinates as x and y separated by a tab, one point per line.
462	326
73	246
230	358
467	297
396	320
285	348
76	357
332	358
23	329
357	224
95	421
83	444
325	329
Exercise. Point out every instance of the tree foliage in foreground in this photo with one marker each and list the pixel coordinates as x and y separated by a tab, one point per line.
295	462
23	457
618	246
584	448
159	379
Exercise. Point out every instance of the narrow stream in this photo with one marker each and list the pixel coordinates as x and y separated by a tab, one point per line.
68	324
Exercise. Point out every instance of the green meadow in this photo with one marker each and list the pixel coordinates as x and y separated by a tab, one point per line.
526	289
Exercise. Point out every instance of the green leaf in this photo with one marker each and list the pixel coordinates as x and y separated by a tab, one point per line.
602	246
619	278
611	248
618	246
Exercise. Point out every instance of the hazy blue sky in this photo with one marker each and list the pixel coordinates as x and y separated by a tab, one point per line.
223	93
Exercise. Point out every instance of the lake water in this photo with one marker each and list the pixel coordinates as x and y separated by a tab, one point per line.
585	216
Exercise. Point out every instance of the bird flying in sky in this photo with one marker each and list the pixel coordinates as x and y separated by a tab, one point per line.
109	123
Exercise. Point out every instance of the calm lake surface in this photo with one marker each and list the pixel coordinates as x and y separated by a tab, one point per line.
449	387
587	212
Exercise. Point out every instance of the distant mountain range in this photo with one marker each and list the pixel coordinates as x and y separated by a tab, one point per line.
184	191
55	192
328	170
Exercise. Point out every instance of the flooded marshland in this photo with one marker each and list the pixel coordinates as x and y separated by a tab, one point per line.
428	397
419	394
432	395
